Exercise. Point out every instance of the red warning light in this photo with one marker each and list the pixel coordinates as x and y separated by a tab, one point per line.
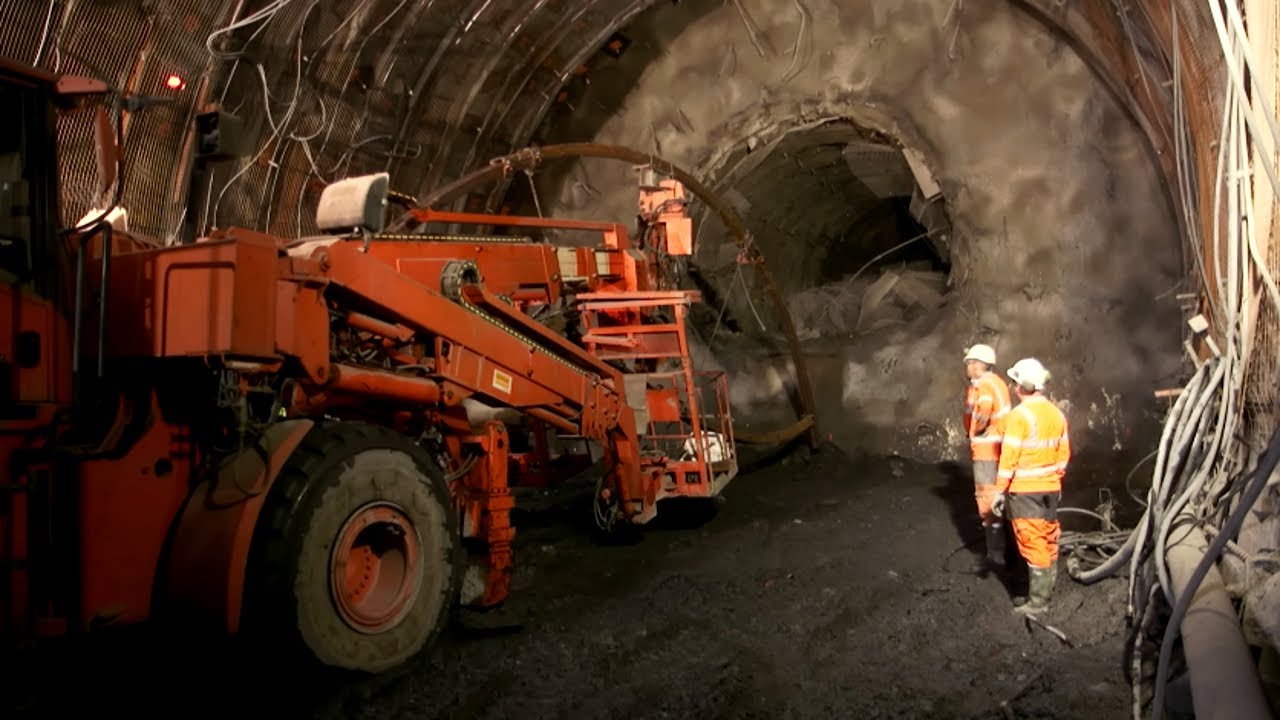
174	82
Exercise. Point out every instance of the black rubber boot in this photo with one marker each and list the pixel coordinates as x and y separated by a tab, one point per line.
994	557
1042	580
1016	581
995	545
1017	584
980	567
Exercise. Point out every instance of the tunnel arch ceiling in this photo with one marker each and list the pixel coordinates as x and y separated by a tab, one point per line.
1065	244
429	89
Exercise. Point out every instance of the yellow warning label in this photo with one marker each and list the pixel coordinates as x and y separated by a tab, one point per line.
502	381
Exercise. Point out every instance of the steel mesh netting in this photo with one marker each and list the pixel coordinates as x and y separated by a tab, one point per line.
132	47
22	29
498	77
420	124
540	90
68	48
529	107
526	50
1262	389
83	52
425	90
1262	382
77	167
359	88
476	39
361	60
574	49
512	50
552	44
390	135
236	194
173	43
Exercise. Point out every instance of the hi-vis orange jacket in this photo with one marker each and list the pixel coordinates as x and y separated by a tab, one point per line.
986	405
1036	448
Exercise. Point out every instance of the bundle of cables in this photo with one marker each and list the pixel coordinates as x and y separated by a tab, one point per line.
1206	478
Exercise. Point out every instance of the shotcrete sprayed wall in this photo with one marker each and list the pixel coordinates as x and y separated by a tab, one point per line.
1063	246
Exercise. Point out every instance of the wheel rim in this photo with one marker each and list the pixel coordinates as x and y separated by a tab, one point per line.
376	568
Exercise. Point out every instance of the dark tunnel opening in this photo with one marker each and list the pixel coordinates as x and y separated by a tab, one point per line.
855	230
886	235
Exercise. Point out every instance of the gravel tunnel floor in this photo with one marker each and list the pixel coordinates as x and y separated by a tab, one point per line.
824	587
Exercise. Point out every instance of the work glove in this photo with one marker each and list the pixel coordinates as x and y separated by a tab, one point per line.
998	505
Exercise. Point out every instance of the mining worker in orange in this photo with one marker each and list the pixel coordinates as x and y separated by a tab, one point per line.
1033	461
985	406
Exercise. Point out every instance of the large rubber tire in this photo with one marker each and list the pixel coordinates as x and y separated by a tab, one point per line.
343	480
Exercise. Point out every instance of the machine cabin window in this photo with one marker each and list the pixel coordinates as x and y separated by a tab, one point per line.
26	168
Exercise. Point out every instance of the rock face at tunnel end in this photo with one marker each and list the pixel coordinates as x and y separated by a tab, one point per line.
1063	248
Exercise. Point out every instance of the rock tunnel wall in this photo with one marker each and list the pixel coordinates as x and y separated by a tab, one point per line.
1063	247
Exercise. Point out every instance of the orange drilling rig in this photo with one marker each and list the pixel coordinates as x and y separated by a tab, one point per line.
313	440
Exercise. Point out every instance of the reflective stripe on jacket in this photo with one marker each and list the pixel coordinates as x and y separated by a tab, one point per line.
1036	449
985	408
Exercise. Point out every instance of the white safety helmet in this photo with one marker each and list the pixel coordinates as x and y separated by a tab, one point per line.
981	353
1029	373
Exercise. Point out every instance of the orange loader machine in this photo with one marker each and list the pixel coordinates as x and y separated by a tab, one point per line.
313	441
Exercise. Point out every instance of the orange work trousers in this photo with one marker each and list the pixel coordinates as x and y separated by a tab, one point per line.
984	490
1035	526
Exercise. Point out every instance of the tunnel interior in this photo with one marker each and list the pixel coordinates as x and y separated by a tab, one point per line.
1027	201
915	175
914	189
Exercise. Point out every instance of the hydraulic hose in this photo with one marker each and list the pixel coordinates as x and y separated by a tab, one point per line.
1256	484
1114	563
1088	513
1127	478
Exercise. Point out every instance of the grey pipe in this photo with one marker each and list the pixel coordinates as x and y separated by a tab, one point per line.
1221	648
1224	681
